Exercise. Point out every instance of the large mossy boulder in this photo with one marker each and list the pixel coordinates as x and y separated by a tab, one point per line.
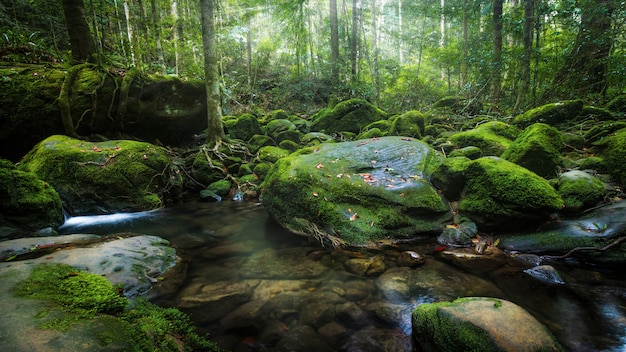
479	324
538	149
496	193
110	103
105	177
552	114
491	137
347	116
26	201
357	193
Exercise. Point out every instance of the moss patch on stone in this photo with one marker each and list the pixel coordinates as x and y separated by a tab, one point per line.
491	137
347	116
614	153
580	189
411	124
551	114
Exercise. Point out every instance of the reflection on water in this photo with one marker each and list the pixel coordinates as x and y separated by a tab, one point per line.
255	287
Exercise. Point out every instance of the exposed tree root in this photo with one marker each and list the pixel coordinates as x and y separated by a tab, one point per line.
64	99
311	230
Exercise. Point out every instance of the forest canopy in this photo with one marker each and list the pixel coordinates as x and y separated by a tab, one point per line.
303	54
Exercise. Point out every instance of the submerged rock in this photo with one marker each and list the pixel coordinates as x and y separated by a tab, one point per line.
105	177
357	193
479	324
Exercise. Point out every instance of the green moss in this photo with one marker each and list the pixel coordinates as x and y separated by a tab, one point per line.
275	115
491	137
371	133
221	187
580	189
538	149
450	176
411	124
81	294
275	127
27	201
498	189
551	114
271	154
116	175
244	127
383	125
442	332
347	116
614	153
90	300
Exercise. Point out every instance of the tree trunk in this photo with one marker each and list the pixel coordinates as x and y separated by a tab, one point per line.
215	129
157	37
585	68
529	25
130	33
334	42
497	51
375	49
81	41
354	44
465	53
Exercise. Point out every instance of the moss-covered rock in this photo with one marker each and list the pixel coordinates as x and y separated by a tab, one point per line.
382	125
449	177
538	149
601	130
492	137
371	133
347	116
26	201
106	177
275	115
244	127
258	141
579	190
479	324
292	136
357	193
261	170
552	114
275	127
498	192
470	152
205	169
613	152
460	105
315	138
289	145
271	154
411	124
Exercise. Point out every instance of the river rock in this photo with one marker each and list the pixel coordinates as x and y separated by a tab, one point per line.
288	263
537	148
580	190
411	259
357	193
134	262
597	229
106	177
479	324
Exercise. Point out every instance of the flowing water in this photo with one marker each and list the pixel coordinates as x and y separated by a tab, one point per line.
254	287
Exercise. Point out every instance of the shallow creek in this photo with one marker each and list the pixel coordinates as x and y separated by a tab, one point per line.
254	287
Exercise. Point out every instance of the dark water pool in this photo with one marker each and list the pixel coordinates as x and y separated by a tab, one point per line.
254	287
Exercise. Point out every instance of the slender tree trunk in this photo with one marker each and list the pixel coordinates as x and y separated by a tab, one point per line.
249	50
375	49
157	37
465	52
529	25
130	32
81	41
497	51
354	44
400	34
442	29
177	35
215	129
334	42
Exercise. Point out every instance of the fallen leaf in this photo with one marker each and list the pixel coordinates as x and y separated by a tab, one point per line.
315	194
319	165
354	216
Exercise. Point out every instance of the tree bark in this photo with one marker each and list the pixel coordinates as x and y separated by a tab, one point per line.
354	44
81	41
334	42
529	25
497	51
215	129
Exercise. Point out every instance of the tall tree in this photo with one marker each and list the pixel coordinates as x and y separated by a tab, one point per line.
497	51
334	41
585	68
215	128
529	25
81	41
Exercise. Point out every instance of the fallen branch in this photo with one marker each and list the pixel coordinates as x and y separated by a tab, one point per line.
578	249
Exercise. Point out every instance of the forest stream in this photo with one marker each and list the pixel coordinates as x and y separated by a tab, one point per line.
255	287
